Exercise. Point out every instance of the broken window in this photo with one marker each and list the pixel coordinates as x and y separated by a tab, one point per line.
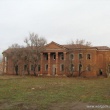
54	56
46	67
46	56
62	67
25	67
88	56
71	56
32	67
88	68
80	67
62	57
38	67
80	56
71	67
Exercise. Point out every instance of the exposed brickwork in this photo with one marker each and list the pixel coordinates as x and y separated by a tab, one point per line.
56	60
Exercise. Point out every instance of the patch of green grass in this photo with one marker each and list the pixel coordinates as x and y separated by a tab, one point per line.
32	92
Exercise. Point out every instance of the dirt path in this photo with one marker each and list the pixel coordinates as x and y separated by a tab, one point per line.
79	106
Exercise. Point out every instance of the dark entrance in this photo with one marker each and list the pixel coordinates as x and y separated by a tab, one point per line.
100	72
16	69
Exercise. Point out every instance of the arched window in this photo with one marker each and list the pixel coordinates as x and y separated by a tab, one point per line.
62	67
46	67
32	67
62	57
71	56
38	67
71	67
54	56
80	67
88	68
25	67
80	56
46	56
88	56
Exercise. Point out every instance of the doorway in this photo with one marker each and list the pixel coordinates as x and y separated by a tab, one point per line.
100	72
16	69
54	70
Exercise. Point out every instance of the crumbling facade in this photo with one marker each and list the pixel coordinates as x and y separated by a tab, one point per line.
75	60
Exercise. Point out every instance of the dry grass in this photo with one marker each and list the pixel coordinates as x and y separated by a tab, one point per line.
32	93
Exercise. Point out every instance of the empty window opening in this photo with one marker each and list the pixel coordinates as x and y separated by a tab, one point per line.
32	67
62	67
25	67
88	56
80	67
88	68
54	56
38	67
62	57
46	67
80	56
46	57
71	56
100	71
71	67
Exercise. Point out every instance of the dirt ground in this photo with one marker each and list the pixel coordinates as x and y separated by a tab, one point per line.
7	105
79	106
60	106
17	106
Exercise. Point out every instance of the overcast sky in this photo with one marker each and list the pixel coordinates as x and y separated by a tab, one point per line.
56	20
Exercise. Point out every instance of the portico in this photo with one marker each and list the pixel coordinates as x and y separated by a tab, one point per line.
52	60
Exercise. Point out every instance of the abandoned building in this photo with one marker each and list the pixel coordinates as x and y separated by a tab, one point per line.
57	60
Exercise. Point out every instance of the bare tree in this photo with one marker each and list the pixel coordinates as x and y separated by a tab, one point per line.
35	45
79	46
15	52
82	44
70	67
23	56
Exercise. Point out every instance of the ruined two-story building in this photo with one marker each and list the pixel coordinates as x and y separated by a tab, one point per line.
78	60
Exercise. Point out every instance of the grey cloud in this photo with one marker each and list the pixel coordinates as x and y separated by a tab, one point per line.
58	20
